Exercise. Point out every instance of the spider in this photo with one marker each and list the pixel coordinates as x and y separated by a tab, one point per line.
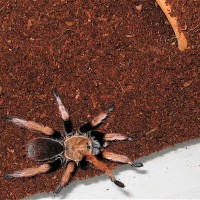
70	147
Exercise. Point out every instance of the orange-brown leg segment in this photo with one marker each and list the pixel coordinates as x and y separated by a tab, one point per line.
66	176
100	165
29	172
30	125
120	158
116	136
64	112
96	121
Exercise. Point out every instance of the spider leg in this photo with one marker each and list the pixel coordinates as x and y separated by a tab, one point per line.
120	158
96	121
64	113
66	176
116	136
29	172
100	165
31	125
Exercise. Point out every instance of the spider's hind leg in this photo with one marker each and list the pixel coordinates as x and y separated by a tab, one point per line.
52	165
66	176
96	121
29	172
31	125
64	113
119	158
100	165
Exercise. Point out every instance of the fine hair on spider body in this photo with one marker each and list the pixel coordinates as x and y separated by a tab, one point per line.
70	147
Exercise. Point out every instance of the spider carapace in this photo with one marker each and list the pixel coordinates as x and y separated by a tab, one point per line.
70	148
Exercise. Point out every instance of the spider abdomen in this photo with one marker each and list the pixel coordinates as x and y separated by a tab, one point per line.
42	149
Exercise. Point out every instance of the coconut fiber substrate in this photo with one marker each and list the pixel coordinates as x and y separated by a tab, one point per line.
97	54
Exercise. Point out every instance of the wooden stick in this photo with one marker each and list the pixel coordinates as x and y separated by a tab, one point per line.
182	41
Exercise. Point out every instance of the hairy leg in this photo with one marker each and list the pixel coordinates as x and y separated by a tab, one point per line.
96	121
30	125
64	113
100	165
66	176
120	158
116	136
29	172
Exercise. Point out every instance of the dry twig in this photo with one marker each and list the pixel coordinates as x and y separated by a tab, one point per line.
182	41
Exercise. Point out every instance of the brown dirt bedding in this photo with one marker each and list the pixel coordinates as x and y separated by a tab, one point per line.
97	53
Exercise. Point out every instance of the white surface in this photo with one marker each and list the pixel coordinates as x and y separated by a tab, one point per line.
173	173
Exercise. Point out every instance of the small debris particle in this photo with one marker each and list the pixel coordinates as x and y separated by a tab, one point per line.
77	94
88	13
69	23
139	7
94	102
129	36
29	24
1	90
10	150
42	96
188	83
152	130
173	43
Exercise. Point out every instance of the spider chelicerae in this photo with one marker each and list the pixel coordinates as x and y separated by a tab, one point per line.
70	148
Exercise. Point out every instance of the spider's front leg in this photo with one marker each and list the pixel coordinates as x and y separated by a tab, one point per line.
66	176
96	121
64	113
100	165
29	172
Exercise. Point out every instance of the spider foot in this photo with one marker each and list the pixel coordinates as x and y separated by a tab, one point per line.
58	189
110	109
55	92
7	117
131	139
136	164
9	176
119	183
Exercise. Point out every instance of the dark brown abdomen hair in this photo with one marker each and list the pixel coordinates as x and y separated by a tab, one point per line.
42	149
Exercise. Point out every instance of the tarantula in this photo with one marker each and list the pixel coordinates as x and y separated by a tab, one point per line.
70	147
